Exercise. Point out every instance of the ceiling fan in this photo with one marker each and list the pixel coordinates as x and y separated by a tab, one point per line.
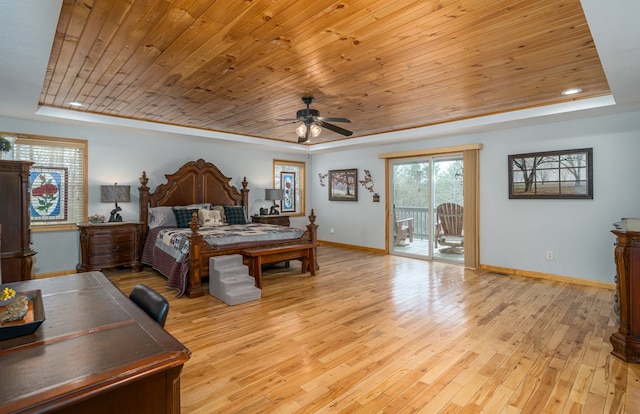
312	122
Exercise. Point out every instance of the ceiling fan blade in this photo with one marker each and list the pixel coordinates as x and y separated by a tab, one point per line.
288	119
335	128
262	131
330	119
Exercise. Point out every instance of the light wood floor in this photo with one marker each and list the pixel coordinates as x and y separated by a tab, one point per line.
373	333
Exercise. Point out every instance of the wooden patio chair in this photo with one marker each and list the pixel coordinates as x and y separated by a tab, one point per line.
450	229
403	230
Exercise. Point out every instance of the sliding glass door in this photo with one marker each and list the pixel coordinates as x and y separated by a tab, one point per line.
448	207
426	206
411	222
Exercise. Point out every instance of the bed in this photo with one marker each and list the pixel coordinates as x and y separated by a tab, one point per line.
181	250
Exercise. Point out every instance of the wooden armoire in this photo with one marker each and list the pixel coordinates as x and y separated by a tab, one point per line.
16	252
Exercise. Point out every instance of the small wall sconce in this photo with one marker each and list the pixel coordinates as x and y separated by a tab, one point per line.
115	193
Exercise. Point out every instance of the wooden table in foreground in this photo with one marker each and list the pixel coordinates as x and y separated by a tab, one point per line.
96	352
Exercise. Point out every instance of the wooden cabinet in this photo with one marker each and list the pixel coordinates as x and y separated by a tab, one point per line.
108	245
16	256
279	219
626	341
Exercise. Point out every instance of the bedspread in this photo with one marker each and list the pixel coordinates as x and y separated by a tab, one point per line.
167	249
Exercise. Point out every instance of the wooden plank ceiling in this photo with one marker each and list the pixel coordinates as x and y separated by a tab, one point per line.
237	66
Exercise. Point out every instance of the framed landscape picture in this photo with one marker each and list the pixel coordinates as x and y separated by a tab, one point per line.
343	185
566	174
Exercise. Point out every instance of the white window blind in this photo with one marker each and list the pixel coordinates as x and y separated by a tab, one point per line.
57	163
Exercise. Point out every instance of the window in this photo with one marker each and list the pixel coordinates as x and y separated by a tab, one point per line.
289	176
58	180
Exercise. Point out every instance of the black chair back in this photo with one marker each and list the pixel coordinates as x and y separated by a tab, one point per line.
150	301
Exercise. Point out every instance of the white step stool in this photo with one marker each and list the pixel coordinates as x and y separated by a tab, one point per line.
229	280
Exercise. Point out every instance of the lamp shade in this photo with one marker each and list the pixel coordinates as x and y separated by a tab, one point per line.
115	193
273	194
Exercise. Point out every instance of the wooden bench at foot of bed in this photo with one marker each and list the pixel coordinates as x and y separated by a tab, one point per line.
258	256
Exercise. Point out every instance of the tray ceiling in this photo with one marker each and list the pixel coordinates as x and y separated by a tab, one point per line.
237	66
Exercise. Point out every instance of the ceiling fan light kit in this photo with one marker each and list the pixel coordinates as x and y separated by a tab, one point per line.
313	133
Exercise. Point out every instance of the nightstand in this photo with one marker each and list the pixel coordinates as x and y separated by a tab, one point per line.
279	219
106	245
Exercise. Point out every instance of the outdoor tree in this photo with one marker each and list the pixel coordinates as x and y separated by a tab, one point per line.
411	185
449	182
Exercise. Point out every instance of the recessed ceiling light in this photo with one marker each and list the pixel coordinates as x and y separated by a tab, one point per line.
571	91
76	104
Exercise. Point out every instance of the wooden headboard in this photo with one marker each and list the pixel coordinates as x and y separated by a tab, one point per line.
195	182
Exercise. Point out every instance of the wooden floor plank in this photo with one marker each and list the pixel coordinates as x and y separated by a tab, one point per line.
372	333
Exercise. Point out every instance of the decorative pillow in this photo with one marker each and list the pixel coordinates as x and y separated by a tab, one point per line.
209	217
183	217
234	214
220	209
161	217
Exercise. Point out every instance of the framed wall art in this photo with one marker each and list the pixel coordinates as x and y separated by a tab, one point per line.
343	185
48	193
566	174
288	186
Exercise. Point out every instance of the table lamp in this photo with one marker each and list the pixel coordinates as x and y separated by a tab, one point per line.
273	194
115	193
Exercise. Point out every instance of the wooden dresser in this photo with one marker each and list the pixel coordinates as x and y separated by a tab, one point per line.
626	341
279	219
16	257
107	245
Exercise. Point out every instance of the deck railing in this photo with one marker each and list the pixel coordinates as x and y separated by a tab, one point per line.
420	220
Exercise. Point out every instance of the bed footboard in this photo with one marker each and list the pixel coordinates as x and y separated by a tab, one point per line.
200	251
